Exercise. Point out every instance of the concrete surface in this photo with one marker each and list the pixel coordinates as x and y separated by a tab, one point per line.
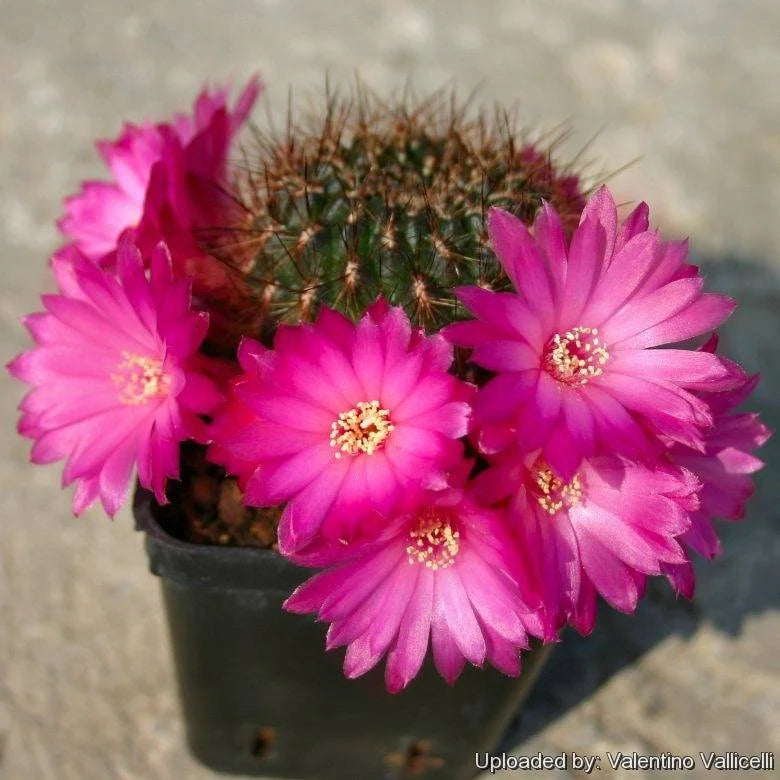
86	687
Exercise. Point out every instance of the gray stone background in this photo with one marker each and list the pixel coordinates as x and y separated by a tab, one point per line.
86	686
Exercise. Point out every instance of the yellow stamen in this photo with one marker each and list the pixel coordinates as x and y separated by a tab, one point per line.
575	356
433	542
140	378
552	493
364	428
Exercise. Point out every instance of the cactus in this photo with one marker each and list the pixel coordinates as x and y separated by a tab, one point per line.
372	197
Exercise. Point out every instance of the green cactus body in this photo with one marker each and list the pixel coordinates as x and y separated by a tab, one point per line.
373	198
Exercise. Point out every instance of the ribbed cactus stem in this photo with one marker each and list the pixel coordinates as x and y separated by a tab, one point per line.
372	197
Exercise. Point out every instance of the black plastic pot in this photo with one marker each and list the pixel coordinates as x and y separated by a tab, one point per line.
261	696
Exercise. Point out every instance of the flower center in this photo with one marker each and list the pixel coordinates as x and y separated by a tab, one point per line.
140	379
363	428
552	493
576	356
433	542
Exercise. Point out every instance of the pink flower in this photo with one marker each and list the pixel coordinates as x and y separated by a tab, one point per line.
96	217
575	372
236	417
113	385
608	527
347	417
725	469
438	571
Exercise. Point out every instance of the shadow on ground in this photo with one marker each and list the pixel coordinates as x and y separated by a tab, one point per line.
741	583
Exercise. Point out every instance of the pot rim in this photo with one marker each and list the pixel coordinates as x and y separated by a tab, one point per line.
211	566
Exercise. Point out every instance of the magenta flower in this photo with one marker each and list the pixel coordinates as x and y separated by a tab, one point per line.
608	527
236	418
725	469
347	418
96	217
575	372
439	571
113	385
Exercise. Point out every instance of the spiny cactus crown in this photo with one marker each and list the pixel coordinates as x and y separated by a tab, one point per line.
373	198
